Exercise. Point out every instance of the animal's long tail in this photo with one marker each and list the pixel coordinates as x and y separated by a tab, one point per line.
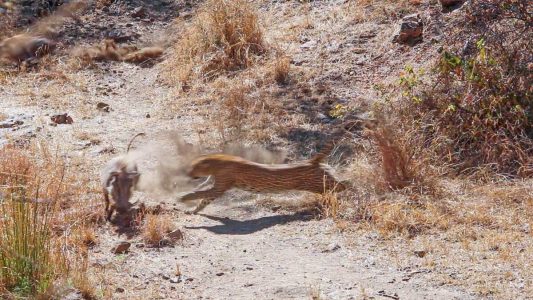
133	138
324	152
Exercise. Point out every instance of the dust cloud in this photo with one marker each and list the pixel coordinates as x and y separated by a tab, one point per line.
171	157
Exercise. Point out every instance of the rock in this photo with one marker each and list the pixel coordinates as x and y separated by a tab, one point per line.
220	274
101	106
176	279
139	12
420	253
148	116
11	123
119	290
121	248
332	248
448	3
62	119
165	277
175	235
410	30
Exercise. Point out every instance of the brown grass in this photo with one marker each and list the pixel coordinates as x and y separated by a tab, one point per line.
282	67
41	195
155	228
225	37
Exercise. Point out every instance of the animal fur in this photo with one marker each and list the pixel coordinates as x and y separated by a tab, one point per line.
235	172
110	51
23	46
119	178
38	41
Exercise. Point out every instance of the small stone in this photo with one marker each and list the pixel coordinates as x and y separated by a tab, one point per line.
121	248
448	3
176	279
220	274
175	235
138	12
410	30
148	116
165	277
11	123
420	253
62	119
119	290
332	248
101	106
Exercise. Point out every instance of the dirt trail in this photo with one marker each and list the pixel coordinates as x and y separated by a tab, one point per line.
236	250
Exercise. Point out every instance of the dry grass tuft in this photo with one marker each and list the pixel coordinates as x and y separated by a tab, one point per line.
37	189
282	67
225	37
155	228
328	205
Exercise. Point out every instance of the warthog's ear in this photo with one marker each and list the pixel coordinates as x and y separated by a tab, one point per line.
112	177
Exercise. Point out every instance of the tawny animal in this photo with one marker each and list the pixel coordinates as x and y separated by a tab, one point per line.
108	50
38	40
235	172
119	178
23	46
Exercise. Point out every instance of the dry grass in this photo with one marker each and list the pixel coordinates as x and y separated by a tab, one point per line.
281	70
328	205
37	212
155	228
225	36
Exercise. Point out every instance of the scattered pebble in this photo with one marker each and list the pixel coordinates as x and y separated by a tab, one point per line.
61	119
101	106
175	235
420	253
121	248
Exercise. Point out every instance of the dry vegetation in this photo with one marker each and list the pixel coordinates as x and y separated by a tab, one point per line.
225	37
46	228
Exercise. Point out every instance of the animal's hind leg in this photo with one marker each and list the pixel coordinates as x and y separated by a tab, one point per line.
202	205
207	196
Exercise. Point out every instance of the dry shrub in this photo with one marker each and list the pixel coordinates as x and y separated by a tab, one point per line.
155	228
407	217
477	110
225	36
328	204
35	186
382	10
281	70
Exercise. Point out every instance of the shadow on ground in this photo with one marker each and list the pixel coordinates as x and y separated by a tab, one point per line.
236	227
